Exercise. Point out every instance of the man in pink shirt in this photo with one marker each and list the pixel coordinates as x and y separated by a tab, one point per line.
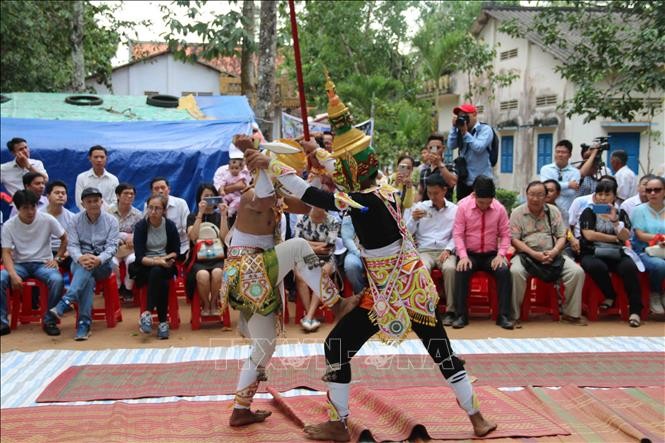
482	238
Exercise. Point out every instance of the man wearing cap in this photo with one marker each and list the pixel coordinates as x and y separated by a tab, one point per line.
401	296
93	242
482	238
474	140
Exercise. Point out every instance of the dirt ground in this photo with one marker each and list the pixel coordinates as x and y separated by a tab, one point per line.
126	335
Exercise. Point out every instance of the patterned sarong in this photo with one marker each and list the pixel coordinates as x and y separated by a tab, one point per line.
249	283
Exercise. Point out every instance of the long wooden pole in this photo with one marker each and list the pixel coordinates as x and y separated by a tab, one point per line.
296	56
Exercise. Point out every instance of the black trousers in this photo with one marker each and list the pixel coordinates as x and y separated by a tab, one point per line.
504	284
600	269
355	328
158	290
463	190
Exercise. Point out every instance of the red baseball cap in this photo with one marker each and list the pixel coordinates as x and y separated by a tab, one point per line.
467	108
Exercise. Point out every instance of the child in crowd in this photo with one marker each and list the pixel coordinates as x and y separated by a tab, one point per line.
233	182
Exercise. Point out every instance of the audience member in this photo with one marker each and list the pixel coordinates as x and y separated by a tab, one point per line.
354	270
26	252
538	231
563	172
320	229
641	197
35	182
431	224
156	245
580	204
93	241
402	180
56	193
176	211
626	178
553	189
204	274
424	160
604	230
232	183
97	177
128	216
474	141
435	151
591	168
328	138
12	172
649	225
482	239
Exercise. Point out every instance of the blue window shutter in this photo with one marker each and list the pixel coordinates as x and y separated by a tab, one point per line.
507	154
544	150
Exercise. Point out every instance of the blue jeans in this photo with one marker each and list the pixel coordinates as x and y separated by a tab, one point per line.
51	277
655	267
82	288
355	272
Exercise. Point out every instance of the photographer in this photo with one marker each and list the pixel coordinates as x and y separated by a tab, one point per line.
402	179
474	140
435	150
591	167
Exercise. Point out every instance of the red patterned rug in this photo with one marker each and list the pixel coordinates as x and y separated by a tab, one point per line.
386	415
125	381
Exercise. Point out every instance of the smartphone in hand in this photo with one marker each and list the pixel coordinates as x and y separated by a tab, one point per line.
213	201
601	208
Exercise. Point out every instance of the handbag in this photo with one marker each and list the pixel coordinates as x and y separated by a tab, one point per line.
607	251
546	272
208	244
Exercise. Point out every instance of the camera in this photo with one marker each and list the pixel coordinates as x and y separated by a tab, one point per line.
461	120
601	143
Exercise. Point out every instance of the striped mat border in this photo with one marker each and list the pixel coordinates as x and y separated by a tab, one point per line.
26	374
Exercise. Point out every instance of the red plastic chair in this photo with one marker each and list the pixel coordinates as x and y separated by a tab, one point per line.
21	303
482	298
174	312
593	297
197	318
540	297
111	312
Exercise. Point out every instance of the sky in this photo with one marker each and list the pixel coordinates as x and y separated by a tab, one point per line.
150	10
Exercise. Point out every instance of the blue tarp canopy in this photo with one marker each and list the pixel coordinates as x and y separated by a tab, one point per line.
186	152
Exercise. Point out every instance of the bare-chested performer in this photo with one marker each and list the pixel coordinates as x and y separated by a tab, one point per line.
253	270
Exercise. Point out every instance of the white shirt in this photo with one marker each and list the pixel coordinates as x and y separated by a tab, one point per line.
627	183
435	229
64	218
11	174
630	204
177	211
31	243
106	184
576	208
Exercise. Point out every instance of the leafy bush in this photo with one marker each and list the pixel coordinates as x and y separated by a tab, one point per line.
507	198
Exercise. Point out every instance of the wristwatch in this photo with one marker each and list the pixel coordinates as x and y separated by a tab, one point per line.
59	259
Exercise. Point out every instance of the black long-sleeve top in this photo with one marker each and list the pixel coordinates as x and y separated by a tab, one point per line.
375	228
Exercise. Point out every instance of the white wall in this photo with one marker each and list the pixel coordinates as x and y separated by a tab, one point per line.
164	75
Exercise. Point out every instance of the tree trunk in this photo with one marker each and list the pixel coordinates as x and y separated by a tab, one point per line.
247	69
265	105
76	40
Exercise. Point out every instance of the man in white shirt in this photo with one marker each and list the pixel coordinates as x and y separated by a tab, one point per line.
176	211
97	177
563	172
56	193
35	182
26	252
12	171
641	197
431	224
626	178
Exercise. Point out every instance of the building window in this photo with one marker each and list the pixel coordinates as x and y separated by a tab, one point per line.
507	154
150	93
508	105
544	150
511	53
546	100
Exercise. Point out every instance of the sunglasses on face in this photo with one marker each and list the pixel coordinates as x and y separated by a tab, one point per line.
653	190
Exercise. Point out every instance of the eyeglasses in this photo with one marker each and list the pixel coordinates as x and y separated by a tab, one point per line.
155	209
653	190
536	195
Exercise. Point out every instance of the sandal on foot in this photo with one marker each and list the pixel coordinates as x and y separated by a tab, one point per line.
606	304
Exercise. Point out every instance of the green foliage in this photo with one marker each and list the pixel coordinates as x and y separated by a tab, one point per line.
36	50
222	36
507	198
617	52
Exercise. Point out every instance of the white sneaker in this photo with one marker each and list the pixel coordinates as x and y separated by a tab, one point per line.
657	303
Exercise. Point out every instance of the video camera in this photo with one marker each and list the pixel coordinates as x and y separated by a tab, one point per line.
461	120
601	143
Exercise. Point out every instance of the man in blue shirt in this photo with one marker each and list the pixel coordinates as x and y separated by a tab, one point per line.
474	141
567	175
93	244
